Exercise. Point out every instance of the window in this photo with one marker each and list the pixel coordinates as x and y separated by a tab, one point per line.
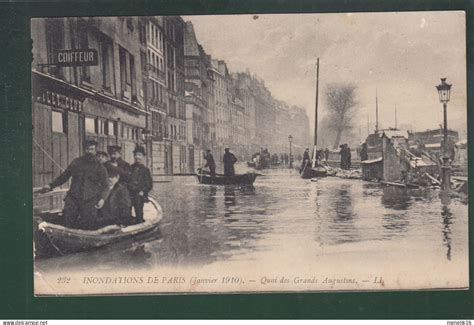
127	74
54	42
83	44
105	48
59	122
90	125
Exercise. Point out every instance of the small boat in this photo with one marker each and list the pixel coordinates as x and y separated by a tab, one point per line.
318	171
52	238
219	179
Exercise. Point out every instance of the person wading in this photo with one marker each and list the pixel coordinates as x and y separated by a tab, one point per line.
229	161
88	189
210	163
140	183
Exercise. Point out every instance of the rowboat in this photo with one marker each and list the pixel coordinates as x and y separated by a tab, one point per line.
219	179
53	238
317	171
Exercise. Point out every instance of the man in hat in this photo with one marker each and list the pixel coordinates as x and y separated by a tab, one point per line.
116	161
102	156
117	205
88	188
306	162
229	161
210	163
140	183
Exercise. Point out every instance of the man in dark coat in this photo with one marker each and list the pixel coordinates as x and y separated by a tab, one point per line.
306	162
88	189
364	152
348	157
326	154
210	163
116	209
115	153
140	183
229	161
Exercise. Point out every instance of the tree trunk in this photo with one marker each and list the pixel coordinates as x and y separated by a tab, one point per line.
338	138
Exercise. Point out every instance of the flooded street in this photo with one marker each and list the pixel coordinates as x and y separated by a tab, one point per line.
288	219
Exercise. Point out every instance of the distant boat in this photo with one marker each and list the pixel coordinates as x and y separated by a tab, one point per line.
52	238
219	179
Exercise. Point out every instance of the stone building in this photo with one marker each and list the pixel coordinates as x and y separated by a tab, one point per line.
103	101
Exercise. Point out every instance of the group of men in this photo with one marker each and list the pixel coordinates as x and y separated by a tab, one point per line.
103	190
229	160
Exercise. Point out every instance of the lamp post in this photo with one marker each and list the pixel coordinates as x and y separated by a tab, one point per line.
290	138
444	92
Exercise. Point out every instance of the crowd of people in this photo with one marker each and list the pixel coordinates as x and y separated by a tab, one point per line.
104	188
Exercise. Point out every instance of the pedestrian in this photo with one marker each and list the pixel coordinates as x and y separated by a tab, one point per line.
348	157
210	163
117	205
306	160
87	191
364	153
326	154
229	161
102	156
343	154
140	183
115	153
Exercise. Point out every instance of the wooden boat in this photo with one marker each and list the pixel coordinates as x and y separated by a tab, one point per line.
219	179
52	238
318	171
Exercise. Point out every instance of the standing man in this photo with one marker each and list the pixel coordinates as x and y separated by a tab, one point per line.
326	154
88	189
115	153
306	162
348	156
210	163
140	183
364	152
229	161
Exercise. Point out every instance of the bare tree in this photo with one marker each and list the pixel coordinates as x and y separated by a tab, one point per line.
341	106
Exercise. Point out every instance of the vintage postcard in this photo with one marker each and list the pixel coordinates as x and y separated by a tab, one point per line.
250	153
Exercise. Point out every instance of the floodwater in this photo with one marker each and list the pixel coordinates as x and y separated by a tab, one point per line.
292	220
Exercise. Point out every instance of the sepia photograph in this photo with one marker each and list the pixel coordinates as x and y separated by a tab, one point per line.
249	153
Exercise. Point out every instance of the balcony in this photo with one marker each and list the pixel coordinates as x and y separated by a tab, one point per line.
156	73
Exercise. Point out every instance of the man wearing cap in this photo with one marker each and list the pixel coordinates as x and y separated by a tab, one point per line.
88	188
115	153
229	161
117	205
140	183
210	163
102	156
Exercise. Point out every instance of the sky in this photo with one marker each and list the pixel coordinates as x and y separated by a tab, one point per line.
402	55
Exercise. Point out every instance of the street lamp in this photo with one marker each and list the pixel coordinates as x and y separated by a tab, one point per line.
290	138
444	92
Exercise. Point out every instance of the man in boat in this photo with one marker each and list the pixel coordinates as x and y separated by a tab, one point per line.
229	161
88	189
102	156
140	183
117	205
306	160
210	163
116	161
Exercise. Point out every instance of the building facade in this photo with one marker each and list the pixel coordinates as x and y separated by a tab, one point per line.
104	102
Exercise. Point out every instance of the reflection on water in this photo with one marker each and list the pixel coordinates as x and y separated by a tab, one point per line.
203	224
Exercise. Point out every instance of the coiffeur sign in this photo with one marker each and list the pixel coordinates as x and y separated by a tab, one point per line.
73	58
